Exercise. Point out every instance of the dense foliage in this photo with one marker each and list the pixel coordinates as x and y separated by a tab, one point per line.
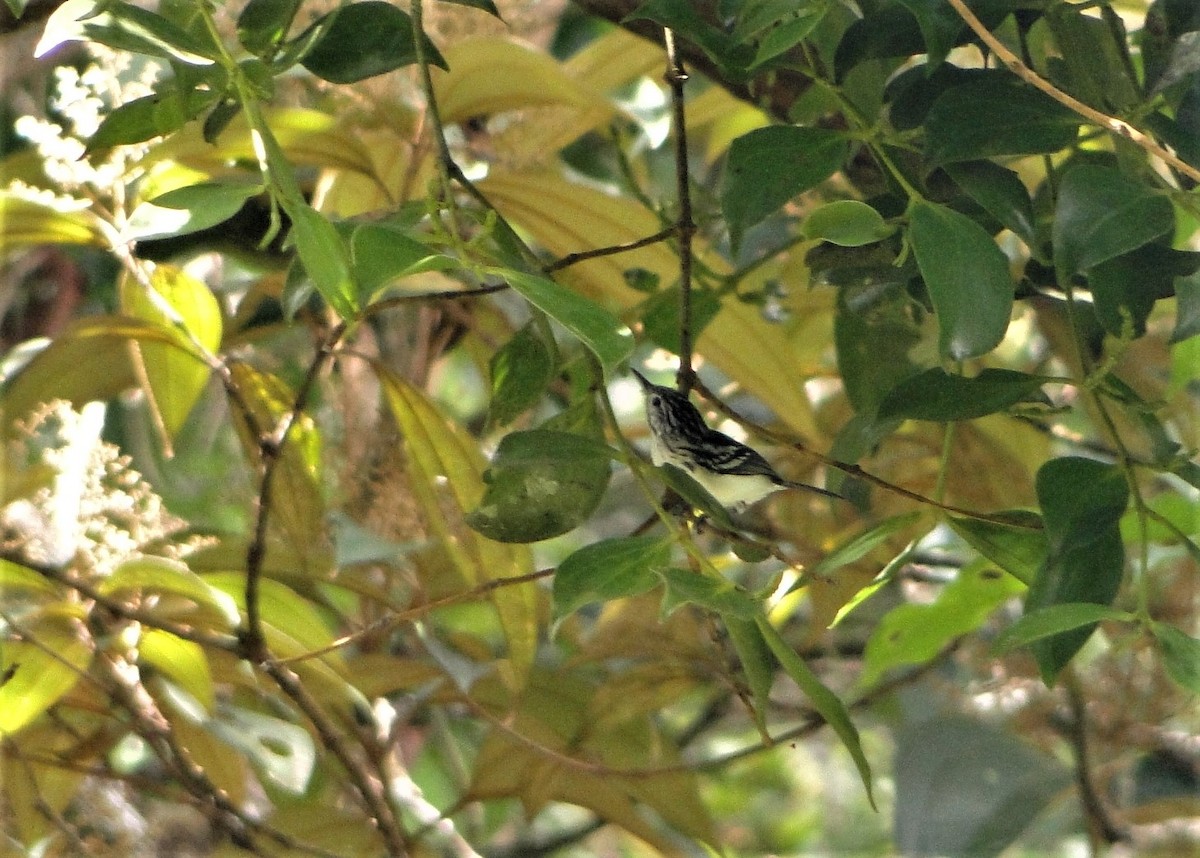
327	524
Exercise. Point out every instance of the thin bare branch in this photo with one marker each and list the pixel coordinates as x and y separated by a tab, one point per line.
685	224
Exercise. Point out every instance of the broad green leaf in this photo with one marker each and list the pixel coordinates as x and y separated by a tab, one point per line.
383	253
824	701
361	40
847	223
606	336
520	371
889	31
860	546
325	259
609	569
174	377
1056	619
687	21
150	116
183	661
967	278
25	221
163	576
945	397
292	623
660	315
1181	655
446	470
189	209
89	360
940	27
1001	193
1126	287
992	115
1101	214
1187	308
297	518
1082	501
914	633
769	166
1019	551
757	665
875	341
541	484
40	673
684	587
788	32
263	24
125	27
964	788
1097	67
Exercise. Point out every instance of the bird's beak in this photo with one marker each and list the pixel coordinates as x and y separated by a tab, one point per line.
645	383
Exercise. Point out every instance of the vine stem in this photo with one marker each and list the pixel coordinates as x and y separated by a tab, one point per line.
1110	123
685	224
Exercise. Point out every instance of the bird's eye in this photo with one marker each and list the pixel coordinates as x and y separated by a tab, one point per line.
656	400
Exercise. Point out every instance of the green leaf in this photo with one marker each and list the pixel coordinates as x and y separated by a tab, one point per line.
769	166
183	661
660	315
1102	213
1187	308
174	376
189	209
1019	551
40	674
788	33
89	360
1096	65
685	19
1125	288
757	665
263	24
25	221
685	587
915	633
945	397
362	40
1181	655
824	701
940	27
383	253
847	223
163	576
125	27
485	5
963	788
520	371
1056	619
967	278
1001	193
1082	501
154	115
541	484
17	578
860	546
606	336
609	569
325	259
995	114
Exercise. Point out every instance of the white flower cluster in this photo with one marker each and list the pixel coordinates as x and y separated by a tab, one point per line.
83	99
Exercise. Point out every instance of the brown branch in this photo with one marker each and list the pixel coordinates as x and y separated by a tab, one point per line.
685	224
582	255
1103	120
1099	820
228	643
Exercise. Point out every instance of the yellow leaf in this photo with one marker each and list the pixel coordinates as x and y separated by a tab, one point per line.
718	118
43	669
615	59
182	661
25	221
440	452
173	377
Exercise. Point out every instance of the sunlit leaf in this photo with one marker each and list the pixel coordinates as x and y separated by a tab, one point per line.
1019	551
42	669
25	221
189	209
1056	619
174	376
848	223
164	576
183	661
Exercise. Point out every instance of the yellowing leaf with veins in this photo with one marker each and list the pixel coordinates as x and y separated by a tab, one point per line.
440	452
615	59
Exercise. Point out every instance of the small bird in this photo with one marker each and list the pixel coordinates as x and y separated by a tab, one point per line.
736	475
